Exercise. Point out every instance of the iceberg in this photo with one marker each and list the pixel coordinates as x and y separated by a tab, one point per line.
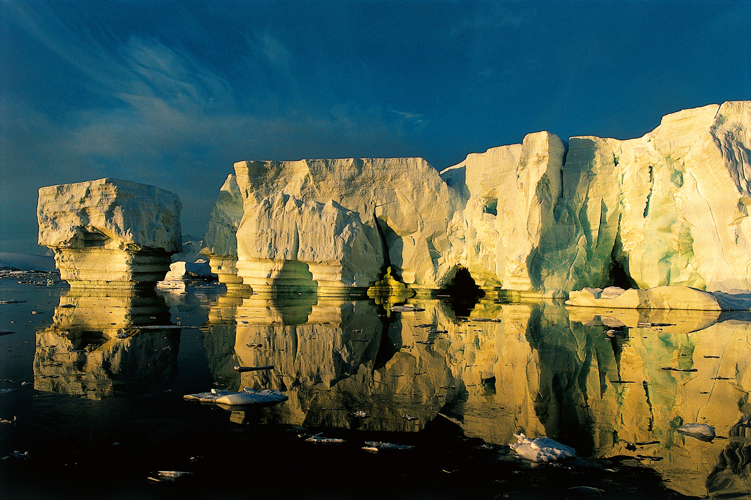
544	217
110	233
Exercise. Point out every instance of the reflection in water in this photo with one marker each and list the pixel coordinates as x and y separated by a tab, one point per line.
96	348
606	382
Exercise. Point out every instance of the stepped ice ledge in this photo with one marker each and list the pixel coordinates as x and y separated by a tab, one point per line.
109	232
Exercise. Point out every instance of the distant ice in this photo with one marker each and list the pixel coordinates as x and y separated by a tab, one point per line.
24	262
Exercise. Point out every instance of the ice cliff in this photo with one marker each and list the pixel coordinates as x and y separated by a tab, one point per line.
668	208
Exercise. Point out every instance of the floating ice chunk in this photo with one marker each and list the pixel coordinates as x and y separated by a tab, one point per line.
173	473
319	439
699	431
6	391
541	449
376	446
245	397
169	475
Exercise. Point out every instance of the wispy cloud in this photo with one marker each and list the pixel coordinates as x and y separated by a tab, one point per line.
273	50
157	114
407	117
497	17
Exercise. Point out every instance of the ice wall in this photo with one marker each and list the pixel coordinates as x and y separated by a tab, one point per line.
668	208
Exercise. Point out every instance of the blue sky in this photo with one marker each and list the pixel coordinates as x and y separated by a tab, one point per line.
172	93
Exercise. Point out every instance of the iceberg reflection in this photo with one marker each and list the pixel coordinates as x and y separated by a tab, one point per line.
607	382
102	343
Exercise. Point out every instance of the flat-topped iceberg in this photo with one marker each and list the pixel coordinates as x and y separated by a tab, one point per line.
110	232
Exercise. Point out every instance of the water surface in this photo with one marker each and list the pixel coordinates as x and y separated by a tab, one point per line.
99	381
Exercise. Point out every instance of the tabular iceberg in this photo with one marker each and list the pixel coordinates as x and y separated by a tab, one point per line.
110	232
669	208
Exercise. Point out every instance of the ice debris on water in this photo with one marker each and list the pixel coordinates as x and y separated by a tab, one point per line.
169	475
321	439
6	391
703	432
541	449
376	446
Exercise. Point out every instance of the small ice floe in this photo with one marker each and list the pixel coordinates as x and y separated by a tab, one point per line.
11	301
406	308
169	475
541	449
703	432
359	414
19	455
320	439
376	446
6	391
245	397
3	421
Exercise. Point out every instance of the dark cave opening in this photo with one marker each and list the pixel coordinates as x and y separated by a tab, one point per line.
463	293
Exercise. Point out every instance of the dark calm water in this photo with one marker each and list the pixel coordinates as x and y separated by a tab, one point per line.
99	380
